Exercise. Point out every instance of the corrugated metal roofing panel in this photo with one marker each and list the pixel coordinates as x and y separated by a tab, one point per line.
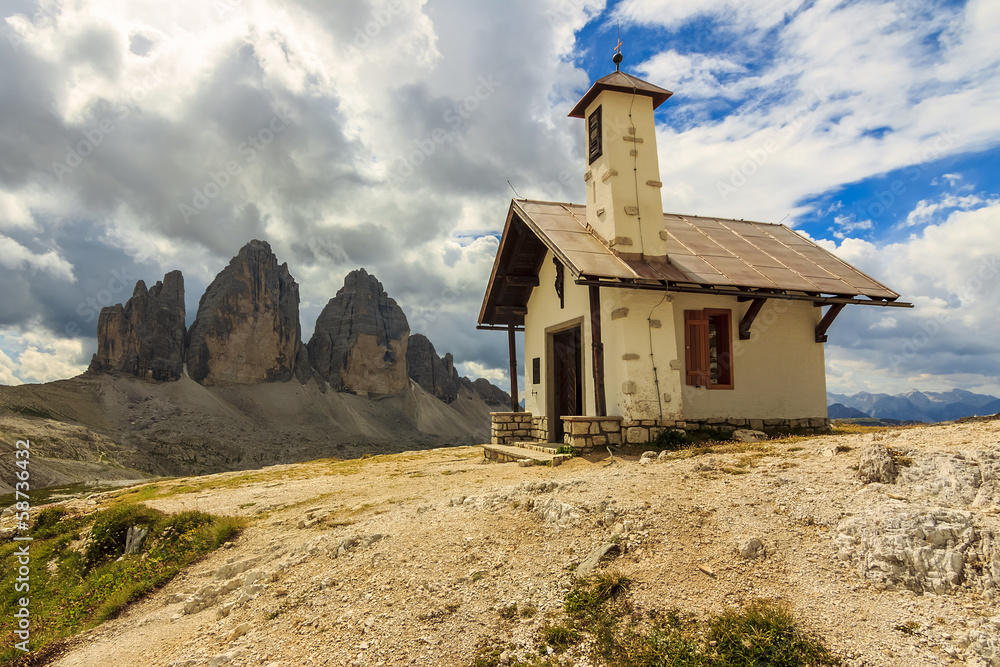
708	251
600	264
740	273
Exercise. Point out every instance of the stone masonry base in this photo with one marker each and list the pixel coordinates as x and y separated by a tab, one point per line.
585	433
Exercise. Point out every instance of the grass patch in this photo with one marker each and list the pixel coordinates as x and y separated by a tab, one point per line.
600	622
79	576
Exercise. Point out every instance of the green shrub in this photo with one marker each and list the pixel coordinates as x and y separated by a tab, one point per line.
764	633
566	449
46	521
560	637
107	537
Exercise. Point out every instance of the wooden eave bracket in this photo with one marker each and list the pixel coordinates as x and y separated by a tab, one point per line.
749	317
827	320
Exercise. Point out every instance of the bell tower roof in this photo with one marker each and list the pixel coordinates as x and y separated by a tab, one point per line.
623	83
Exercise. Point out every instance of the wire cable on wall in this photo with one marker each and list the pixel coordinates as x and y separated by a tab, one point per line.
652	359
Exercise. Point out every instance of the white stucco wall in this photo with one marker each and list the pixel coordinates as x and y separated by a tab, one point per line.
630	382
617	178
544	316
778	373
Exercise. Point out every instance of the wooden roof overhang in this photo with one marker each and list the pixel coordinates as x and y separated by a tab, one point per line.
515	273
749	260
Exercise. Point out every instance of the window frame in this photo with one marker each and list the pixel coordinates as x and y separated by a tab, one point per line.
595	138
698	348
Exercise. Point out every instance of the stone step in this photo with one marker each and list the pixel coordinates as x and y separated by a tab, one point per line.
544	456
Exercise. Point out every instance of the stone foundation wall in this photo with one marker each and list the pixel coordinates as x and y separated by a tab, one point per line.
585	433
540	428
507	428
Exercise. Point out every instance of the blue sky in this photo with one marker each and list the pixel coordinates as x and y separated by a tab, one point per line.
868	125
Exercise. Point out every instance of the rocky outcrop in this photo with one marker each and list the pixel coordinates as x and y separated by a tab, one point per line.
247	329
145	337
360	340
438	376
490	394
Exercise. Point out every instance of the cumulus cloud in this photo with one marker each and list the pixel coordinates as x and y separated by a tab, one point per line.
38	356
927	209
145	137
950	272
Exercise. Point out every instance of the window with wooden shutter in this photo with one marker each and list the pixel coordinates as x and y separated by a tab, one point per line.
708	346
595	148
720	348
696	347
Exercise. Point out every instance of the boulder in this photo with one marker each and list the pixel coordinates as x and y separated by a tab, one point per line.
360	339
145	337
749	435
247	330
876	465
592	560
750	548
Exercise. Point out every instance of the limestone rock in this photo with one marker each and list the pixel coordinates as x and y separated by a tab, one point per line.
360	339
750	548
876	465
491	394
438	376
435	375
247	330
748	435
145	337
590	563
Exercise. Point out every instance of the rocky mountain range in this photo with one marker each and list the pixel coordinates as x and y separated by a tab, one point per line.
247	331
239	389
923	406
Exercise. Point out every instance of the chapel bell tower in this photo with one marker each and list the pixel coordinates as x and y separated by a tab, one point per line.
623	174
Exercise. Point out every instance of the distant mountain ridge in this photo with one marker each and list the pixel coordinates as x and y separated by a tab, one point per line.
914	405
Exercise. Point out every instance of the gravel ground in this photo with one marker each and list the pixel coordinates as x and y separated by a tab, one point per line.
411	559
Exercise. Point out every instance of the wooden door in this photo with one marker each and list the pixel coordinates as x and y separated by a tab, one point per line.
568	385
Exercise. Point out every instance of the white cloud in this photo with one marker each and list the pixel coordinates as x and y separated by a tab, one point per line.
38	356
699	75
8	368
474	371
847	225
853	90
675	12
950	271
926	209
13	255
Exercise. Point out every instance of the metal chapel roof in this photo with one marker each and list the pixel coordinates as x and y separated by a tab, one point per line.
708	255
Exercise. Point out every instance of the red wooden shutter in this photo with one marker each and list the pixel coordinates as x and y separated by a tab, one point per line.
696	347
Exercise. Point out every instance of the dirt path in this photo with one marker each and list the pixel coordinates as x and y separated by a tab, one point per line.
411	559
